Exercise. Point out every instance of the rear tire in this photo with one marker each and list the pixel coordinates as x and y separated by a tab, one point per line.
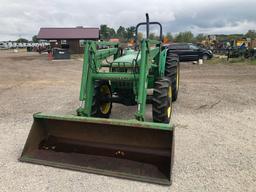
101	107
172	71
162	101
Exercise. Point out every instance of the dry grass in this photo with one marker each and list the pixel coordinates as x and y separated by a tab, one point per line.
223	60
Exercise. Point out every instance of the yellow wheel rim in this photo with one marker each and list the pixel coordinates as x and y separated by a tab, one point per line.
105	107
169	109
177	79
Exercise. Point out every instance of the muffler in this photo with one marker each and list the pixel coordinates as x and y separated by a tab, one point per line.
128	149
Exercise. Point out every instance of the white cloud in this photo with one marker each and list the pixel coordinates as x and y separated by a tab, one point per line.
24	18
238	27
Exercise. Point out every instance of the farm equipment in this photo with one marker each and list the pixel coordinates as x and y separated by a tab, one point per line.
88	141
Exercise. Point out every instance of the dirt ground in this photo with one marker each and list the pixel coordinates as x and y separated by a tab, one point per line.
215	118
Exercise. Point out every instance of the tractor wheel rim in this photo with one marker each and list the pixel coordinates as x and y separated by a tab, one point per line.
169	109
177	79
105	106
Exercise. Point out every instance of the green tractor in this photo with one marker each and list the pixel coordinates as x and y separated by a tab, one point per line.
91	141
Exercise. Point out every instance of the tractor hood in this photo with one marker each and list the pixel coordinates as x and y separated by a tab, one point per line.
129	56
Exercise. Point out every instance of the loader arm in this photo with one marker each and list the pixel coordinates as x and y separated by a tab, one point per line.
92	61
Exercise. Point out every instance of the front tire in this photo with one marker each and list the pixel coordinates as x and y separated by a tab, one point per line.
101	104
162	101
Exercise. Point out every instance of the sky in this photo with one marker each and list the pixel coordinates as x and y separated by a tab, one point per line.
23	18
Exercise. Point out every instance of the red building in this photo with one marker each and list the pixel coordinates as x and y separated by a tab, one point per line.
70	38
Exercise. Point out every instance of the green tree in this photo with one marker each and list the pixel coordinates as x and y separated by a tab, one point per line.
22	40
121	33
152	36
104	31
111	33
200	37
169	36
223	37
34	39
130	32
185	37
251	34
107	32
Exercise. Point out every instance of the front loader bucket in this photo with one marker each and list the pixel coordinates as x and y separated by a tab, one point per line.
128	149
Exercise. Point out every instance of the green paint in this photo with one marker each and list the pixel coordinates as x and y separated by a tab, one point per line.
128	58
134	72
162	61
129	123
132	67
143	73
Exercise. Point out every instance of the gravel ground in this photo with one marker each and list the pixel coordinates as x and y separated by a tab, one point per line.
215	118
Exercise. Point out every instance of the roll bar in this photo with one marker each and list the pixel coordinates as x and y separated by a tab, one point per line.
147	23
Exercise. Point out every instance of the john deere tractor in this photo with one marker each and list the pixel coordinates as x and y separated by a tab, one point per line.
93	142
